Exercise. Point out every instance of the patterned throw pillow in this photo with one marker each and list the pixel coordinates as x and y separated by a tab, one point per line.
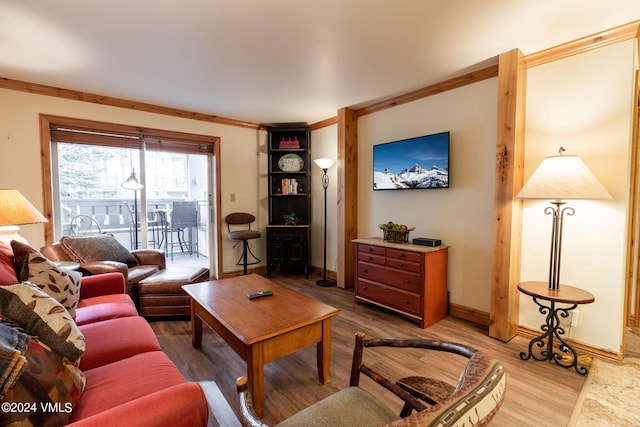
46	392
61	284
21	251
8	274
101	247
42	316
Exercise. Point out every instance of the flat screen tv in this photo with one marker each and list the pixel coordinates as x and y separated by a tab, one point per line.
414	163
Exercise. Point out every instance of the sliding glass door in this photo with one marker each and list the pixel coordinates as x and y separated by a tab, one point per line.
156	195
176	196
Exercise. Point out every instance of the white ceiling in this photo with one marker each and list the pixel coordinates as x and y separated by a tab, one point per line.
269	61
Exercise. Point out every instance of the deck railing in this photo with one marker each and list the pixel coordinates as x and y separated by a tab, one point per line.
116	217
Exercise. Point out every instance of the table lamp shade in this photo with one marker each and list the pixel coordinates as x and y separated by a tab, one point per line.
563	177
15	209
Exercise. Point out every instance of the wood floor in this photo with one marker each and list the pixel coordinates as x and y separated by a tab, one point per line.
538	393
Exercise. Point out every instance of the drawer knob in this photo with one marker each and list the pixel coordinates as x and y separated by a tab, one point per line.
407	302
407	281
370	258
365	270
364	288
401	255
370	249
402	264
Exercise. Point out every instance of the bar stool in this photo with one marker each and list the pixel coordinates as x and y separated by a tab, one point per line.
243	235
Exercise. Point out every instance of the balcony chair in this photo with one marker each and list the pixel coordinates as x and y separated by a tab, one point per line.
243	234
84	225
184	223
155	226
474	400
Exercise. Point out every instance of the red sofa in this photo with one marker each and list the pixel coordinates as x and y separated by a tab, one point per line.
128	380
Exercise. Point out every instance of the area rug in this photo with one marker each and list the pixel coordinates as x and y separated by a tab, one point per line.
610	396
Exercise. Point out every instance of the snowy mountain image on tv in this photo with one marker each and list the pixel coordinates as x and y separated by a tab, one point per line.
421	162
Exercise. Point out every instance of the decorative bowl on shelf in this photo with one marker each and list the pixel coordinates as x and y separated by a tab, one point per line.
395	233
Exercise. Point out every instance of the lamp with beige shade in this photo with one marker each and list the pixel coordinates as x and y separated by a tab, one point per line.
16	210
559	178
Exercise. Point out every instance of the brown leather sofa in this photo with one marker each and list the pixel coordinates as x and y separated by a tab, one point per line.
154	287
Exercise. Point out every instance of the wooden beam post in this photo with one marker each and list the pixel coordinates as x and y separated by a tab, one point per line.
507	223
347	195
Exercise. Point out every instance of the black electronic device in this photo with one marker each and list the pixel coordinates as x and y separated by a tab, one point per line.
423	241
259	294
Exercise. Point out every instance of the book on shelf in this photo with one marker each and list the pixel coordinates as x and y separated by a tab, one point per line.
289	186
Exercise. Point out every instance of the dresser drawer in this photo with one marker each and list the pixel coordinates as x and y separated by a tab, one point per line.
403	264
371	249
372	257
395	278
392	297
404	255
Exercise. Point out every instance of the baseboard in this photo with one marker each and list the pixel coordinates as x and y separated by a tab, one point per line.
470	314
257	270
317	271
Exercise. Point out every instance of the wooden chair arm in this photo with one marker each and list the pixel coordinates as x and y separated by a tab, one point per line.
249	417
449	347
408	395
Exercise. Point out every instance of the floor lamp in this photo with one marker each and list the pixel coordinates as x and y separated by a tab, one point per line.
132	183
558	178
325	164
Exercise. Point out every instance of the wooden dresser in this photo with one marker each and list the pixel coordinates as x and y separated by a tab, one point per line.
408	279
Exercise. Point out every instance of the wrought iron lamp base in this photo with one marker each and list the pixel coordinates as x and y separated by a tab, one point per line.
567	356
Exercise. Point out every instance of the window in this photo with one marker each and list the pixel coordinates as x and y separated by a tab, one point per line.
88	162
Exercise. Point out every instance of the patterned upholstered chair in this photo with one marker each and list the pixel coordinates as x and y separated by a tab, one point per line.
474	400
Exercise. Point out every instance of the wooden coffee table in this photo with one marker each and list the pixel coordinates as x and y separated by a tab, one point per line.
262	329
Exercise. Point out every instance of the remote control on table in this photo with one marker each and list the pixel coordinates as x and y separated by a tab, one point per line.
260	294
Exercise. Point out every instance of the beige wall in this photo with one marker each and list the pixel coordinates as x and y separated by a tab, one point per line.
462	215
583	104
20	152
